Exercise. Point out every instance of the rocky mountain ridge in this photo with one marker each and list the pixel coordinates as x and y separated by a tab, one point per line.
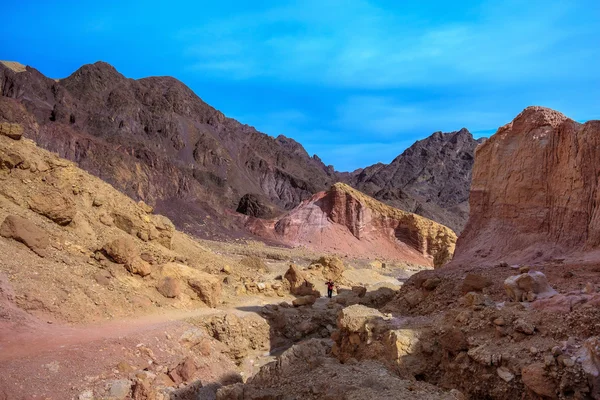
431	178
155	140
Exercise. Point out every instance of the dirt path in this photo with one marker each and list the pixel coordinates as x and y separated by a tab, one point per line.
51	361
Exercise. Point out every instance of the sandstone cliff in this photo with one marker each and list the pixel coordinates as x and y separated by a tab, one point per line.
534	192
344	220
431	178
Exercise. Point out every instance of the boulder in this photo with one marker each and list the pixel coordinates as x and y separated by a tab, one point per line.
304	301
10	160
474	283
26	232
528	287
169	287
535	379
360	291
53	205
298	284
207	287
333	267
122	250
13	131
138	266
589	356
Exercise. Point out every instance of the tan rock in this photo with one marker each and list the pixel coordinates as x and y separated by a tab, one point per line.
24	231
145	207
521	287
122	250
54	205
139	267
333	267
207	287
13	131
169	287
299	285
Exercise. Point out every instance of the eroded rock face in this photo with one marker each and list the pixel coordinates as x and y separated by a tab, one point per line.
347	221
26	232
534	190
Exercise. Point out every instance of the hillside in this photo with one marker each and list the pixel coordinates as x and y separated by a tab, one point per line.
431	178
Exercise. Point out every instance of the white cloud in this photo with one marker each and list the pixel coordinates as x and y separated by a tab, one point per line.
354	43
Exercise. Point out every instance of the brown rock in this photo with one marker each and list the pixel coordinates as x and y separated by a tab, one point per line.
535	379
107	220
360	291
102	278
24	231
184	372
540	155
207	287
169	287
304	301
54	205
431	283
139	267
454	340
298	284
10	160
474	283
122	250
13	131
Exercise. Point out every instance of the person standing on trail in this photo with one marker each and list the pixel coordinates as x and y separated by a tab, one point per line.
330	286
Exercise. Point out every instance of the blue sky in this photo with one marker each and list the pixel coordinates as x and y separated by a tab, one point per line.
354	81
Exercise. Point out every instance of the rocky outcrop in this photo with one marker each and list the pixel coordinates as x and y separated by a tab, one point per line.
346	221
431	178
155	140
534	192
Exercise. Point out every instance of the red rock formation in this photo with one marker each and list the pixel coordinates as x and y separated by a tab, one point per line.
534	192
344	220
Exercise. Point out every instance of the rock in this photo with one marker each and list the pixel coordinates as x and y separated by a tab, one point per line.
299	285
520	287
10	160
523	326
119	389
53	205
169	287
102	277
589	288
122	250
540	155
535	379
138	266
453	340
333	267
145	207
414	297
142	390
505	374
474	283
207	287
13	131
499	321
184	372
589	357
254	206
226	269
524	269
86	395
99	201
431	283
304	301
24	231
107	220
360	291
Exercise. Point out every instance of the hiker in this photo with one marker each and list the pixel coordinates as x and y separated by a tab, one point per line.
330	285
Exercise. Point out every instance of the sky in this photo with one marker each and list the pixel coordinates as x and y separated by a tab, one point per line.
354	81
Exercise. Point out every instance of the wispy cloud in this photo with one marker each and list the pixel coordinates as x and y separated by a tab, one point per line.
355	43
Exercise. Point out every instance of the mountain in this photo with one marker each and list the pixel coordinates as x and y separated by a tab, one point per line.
534	194
155	140
345	221
431	178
